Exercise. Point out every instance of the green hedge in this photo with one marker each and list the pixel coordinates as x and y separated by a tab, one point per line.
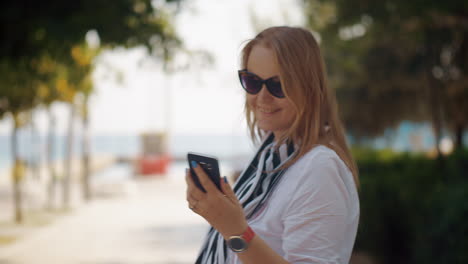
413	209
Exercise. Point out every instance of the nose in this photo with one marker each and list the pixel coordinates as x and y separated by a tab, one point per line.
264	95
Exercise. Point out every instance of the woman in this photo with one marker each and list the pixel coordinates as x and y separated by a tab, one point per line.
297	201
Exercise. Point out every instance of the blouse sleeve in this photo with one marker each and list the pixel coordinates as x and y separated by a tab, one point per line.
317	219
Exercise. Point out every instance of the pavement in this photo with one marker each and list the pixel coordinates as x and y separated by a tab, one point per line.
133	220
33	187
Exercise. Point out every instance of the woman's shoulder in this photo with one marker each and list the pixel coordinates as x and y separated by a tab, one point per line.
319	154
318	174
318	163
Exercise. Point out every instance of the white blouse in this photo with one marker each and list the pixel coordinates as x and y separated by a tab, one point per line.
313	215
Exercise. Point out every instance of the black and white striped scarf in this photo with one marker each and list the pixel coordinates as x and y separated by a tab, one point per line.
252	188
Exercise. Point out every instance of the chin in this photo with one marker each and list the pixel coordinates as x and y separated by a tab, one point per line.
266	127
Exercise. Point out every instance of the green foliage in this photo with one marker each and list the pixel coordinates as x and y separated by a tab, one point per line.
395	60
17	91
413	208
43	55
56	26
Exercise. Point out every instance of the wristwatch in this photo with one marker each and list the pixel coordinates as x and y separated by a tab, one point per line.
241	243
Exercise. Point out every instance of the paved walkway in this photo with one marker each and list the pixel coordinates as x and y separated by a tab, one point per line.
136	221
34	189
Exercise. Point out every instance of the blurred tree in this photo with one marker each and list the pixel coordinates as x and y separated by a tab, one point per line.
48	94
20	98
396	60
83	57
33	32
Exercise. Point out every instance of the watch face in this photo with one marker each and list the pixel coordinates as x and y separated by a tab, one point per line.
237	244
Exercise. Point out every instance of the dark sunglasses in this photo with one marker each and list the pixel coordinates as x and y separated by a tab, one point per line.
253	84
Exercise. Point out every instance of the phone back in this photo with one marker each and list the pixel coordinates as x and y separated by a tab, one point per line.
209	164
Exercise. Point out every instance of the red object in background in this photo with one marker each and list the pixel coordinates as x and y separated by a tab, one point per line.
153	164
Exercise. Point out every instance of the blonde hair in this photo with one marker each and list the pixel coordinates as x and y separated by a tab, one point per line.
303	78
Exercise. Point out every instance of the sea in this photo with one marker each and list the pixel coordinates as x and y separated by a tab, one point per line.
227	147
32	149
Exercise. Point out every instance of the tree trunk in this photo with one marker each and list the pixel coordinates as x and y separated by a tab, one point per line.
34	162
461	58
51	188
435	112
459	130
66	181
434	94
16	173
87	195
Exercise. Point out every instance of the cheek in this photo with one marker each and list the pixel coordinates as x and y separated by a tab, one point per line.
290	111
250	99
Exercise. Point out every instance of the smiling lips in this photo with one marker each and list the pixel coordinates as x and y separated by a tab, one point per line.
267	111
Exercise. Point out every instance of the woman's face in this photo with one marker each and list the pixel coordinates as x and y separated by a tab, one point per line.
272	113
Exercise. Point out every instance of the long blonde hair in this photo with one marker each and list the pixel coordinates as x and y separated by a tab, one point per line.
303	78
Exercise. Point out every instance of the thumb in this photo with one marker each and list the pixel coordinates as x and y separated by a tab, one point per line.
227	190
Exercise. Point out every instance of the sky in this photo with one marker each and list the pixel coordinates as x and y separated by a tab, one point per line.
197	101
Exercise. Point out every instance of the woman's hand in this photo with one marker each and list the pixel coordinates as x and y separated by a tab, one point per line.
222	210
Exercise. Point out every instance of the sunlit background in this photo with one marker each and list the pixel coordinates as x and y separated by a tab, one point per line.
128	105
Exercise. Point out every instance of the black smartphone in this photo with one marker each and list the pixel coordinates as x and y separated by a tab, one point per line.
209	164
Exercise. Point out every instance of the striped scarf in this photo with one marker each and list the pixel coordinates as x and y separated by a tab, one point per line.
253	188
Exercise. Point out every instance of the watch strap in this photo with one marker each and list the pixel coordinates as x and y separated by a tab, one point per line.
248	234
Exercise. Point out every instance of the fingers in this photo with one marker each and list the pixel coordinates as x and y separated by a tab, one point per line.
227	190
192	201
192	189
193	194
187	174
205	181
193	205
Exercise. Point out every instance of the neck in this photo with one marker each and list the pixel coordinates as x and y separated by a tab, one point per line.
278	135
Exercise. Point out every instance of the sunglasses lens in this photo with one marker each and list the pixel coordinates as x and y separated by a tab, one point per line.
250	83
275	88
253	84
